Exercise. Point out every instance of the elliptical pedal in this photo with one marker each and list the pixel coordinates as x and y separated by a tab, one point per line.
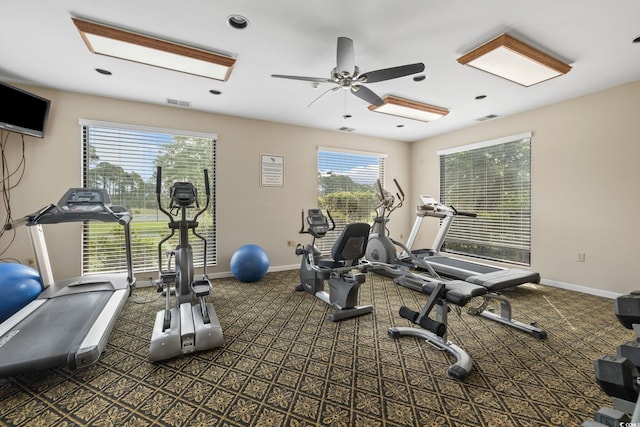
201	288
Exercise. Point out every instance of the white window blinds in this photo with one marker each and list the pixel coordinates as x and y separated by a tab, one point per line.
347	188
123	159
492	179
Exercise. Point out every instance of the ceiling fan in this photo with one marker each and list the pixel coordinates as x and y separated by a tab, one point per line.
346	74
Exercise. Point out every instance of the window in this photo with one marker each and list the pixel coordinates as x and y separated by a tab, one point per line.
123	159
492	179
347	188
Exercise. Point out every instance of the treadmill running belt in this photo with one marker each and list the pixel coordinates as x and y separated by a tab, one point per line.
472	268
52	333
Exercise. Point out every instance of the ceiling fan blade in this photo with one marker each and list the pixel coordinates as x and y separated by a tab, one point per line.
346	60
306	79
366	94
333	89
391	73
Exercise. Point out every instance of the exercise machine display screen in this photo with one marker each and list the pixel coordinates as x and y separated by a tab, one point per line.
79	199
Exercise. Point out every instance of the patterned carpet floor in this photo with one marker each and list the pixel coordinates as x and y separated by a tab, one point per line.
285	364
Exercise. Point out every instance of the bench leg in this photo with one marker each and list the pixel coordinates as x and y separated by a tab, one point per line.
505	315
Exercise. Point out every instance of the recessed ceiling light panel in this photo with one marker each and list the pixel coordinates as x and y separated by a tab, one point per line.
514	60
136	47
409	109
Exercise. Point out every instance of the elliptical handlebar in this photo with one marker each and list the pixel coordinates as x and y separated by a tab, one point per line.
387	200
207	191
158	191
401	193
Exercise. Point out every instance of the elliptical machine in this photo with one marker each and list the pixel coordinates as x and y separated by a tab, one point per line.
184	328
346	255
381	249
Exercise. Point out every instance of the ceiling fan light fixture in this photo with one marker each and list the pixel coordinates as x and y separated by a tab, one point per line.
122	44
511	59
415	110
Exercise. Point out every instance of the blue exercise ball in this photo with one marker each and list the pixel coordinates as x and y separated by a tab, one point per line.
19	285
249	263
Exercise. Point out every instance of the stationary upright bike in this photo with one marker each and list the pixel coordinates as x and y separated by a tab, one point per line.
183	328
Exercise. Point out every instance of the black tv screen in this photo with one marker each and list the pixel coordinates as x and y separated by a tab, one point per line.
23	112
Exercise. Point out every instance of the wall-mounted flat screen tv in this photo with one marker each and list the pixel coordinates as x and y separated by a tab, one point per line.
22	112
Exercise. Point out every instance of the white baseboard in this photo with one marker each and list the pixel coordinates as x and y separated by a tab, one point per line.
582	289
224	274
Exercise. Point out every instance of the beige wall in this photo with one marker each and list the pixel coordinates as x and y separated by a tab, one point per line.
246	213
585	153
585	174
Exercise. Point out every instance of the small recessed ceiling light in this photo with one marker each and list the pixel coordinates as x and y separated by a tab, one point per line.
215	92
419	78
636	40
103	71
481	96
238	22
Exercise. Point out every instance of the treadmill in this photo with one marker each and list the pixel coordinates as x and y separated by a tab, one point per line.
491	277
69	323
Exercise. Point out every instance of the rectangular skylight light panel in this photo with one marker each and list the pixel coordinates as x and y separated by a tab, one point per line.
135	47
409	109
513	66
509	58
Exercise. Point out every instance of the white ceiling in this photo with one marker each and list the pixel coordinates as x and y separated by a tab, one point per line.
40	46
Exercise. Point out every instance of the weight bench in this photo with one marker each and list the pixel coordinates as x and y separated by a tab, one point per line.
496	282
493	279
434	331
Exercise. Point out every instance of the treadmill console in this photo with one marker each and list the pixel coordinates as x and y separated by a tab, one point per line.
84	199
428	201
77	205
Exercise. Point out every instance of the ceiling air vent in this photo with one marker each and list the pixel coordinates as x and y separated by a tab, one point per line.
487	117
178	102
346	129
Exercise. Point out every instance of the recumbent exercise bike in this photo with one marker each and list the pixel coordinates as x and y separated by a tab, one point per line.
346	254
184	328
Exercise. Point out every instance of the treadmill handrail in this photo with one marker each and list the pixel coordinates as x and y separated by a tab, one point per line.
29	219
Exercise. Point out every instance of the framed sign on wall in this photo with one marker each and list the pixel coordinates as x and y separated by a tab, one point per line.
271	170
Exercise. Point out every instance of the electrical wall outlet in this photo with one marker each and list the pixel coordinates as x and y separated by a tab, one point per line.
580	257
